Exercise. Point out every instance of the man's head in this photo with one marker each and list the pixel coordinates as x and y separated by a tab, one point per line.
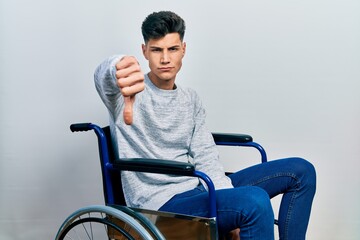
164	47
158	24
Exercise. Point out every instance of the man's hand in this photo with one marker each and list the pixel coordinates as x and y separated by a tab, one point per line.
234	234
130	80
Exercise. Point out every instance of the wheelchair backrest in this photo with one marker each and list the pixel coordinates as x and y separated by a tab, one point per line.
115	177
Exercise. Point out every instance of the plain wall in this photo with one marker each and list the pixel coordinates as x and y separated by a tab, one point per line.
286	72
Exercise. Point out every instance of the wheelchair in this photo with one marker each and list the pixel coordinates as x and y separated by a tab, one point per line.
115	220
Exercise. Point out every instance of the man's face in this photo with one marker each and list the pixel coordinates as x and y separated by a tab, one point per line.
165	59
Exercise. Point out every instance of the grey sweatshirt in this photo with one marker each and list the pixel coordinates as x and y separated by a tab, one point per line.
167	124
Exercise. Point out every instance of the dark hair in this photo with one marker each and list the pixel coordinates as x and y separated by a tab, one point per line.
158	24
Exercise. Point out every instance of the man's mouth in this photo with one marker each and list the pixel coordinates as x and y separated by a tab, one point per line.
165	69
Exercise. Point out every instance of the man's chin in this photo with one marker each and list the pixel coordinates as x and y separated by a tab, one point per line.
166	76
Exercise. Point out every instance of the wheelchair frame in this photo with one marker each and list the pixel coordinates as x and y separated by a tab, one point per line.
114	200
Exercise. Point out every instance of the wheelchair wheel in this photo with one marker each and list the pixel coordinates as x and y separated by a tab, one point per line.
103	222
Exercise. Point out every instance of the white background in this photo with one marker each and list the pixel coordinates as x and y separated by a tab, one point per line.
286	72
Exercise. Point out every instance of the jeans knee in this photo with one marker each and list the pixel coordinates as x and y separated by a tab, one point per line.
306	171
260	204
248	208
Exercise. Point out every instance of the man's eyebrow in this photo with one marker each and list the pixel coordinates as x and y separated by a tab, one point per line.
175	46
156	47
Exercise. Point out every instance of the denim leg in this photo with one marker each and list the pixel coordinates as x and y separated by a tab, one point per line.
247	208
295	178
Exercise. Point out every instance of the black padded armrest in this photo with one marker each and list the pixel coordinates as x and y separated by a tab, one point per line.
230	137
154	166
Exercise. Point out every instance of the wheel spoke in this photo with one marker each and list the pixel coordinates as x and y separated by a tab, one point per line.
86	231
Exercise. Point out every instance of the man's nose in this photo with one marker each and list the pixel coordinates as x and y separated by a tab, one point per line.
165	57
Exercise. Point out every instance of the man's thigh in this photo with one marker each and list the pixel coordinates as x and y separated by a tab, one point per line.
274	177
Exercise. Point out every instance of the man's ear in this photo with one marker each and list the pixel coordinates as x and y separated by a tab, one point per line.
184	48
143	47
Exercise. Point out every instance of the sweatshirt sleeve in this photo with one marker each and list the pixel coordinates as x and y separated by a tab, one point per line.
204	151
105	83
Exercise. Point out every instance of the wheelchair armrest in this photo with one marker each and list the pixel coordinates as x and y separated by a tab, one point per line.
154	166
220	138
166	167
244	140
81	127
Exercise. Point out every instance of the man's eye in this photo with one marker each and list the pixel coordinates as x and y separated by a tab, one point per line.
173	49
155	50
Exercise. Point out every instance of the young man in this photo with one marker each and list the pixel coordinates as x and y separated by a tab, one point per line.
152	117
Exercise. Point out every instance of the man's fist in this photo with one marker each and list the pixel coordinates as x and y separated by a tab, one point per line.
130	80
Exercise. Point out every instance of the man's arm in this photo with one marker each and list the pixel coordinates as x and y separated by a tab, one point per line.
204	151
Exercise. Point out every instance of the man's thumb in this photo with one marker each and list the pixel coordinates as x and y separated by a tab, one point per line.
128	109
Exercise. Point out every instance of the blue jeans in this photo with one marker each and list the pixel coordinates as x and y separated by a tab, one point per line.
247	206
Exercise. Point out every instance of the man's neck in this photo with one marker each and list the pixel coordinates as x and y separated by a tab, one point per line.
162	83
